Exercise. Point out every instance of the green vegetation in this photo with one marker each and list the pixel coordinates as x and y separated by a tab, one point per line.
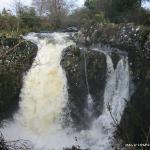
120	11
16	57
26	21
43	16
47	15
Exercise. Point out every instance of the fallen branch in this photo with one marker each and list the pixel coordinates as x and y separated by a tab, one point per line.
11	50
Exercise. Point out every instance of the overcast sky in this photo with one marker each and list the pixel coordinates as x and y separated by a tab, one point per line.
8	3
146	5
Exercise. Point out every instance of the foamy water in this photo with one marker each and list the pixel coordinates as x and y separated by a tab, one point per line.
44	97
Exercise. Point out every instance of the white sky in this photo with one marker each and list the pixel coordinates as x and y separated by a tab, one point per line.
146	5
8	3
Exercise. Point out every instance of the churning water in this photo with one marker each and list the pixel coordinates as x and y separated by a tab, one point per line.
44	97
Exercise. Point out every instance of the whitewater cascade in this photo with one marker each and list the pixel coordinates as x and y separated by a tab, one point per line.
44	97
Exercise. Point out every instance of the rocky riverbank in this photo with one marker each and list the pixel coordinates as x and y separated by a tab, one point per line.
16	57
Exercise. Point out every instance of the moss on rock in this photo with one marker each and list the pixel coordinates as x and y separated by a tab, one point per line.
16	57
79	64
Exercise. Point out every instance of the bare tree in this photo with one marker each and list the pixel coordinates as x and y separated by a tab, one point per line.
40	6
17	8
56	10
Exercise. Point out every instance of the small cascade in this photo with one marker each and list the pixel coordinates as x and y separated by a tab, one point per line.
111	80
89	105
89	108
116	93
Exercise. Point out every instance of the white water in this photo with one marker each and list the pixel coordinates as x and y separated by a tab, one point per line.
44	95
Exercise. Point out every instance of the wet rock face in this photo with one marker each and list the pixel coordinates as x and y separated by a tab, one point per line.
16	57
115	58
73	62
96	76
137	111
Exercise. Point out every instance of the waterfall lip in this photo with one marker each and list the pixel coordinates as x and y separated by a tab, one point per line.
41	35
109	48
106	49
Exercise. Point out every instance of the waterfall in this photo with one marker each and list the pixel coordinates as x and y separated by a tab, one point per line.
44	98
89	104
44	93
116	92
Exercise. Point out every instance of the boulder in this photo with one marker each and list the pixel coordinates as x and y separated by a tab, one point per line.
16	57
115	56
96	77
80	64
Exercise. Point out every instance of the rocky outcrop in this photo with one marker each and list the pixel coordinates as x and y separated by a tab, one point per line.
86	73
135	40
96	77
73	64
75	148
115	56
121	36
16	57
